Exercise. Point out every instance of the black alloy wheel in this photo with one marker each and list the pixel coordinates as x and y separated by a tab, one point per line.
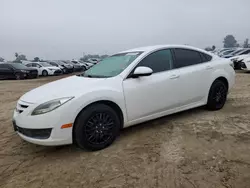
96	127
217	95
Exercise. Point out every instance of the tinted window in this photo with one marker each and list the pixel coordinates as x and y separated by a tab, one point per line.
184	57
205	57
4	66
29	65
158	61
52	63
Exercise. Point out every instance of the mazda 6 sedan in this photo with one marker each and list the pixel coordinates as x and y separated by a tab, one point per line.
122	90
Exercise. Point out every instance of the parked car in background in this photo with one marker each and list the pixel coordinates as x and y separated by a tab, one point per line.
245	63
77	66
69	68
226	52
16	71
93	60
238	52
45	68
122	90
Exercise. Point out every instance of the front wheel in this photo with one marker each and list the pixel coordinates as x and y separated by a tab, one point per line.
217	95
96	127
45	73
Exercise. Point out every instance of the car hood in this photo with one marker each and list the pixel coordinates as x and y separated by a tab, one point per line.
73	86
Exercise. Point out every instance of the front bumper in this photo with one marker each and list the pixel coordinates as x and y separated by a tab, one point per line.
44	129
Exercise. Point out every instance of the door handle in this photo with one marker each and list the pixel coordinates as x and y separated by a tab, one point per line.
174	76
209	67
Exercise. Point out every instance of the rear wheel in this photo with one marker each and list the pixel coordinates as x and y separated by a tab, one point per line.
45	73
217	95
96	127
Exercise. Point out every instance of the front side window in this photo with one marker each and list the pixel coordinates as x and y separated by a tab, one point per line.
185	57
112	65
158	61
29	65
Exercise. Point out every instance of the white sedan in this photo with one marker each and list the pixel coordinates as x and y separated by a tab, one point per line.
122	90
245	63
45	68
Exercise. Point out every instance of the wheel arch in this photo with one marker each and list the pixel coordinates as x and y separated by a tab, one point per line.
109	103
223	79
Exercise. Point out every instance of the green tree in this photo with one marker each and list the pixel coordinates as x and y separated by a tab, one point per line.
246	44
19	58
1	59
230	42
36	59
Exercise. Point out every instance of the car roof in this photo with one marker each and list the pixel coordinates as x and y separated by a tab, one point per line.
156	47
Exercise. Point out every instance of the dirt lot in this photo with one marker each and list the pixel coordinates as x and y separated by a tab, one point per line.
196	148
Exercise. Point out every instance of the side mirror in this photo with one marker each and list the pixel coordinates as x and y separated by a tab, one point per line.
142	71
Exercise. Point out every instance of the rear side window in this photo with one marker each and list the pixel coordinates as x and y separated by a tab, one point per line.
205	57
185	57
158	61
28	65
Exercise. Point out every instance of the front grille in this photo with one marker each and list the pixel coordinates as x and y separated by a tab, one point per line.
58	71
21	106
34	133
24	106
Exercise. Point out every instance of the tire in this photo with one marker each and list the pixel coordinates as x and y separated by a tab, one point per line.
217	95
18	76
96	127
44	73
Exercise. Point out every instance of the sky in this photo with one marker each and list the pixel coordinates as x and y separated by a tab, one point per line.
66	29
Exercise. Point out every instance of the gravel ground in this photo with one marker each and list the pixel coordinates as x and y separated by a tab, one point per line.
195	148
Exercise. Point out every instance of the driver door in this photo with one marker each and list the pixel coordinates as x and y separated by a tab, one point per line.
148	95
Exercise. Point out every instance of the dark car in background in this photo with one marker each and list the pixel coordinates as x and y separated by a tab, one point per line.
77	67
66	68
16	71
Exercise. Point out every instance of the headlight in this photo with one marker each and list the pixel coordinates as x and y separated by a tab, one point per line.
24	71
50	105
52	69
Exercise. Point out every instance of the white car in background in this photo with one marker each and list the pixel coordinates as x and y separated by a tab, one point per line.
245	63
45	68
122	90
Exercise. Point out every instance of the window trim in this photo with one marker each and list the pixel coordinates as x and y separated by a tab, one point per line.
171	64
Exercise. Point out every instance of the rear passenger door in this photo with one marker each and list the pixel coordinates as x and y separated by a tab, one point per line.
195	74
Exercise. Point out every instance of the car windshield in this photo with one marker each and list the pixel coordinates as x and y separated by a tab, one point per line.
18	66
112	65
45	64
